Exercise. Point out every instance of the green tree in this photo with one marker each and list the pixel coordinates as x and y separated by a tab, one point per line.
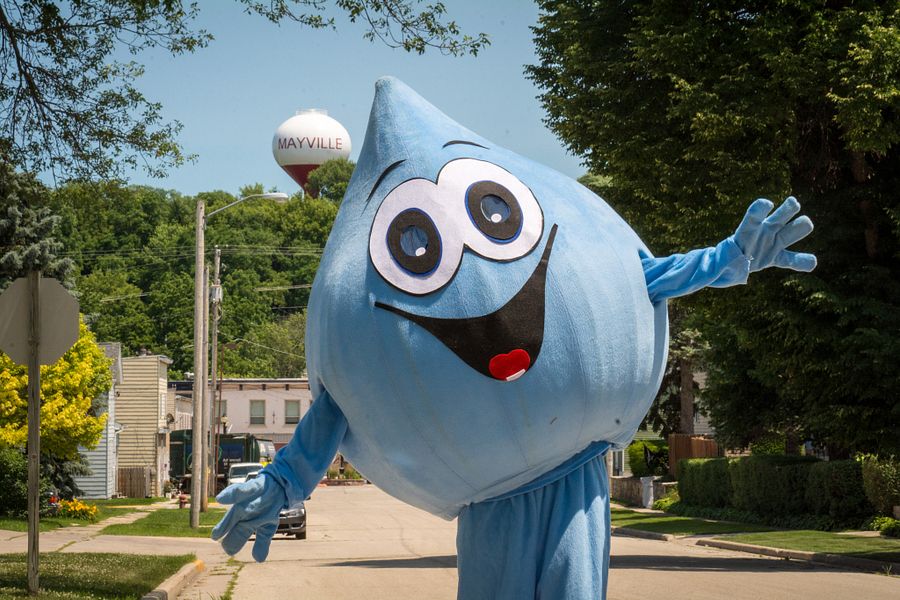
27	229
68	390
114	309
272	349
330	180
69	107
691	112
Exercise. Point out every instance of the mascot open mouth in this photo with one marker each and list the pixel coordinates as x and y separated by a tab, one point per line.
504	344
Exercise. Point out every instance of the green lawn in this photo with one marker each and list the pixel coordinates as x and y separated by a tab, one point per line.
105	510
677	525
126	501
88	576
173	522
878	548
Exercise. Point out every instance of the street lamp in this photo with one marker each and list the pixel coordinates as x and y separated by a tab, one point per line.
200	443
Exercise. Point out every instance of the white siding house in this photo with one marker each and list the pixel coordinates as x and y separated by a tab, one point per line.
268	408
141	409
103	460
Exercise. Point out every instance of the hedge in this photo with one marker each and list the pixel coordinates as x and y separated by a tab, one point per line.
777	488
704	482
881	481
836	489
770	483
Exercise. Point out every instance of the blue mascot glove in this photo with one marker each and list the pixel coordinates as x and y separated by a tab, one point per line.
256	504
764	237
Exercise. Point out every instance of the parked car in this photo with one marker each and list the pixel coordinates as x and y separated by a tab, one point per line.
238	472
292	521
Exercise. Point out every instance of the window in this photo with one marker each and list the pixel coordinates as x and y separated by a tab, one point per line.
291	412
257	412
221	408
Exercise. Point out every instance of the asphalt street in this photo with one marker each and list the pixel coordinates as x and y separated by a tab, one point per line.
362	543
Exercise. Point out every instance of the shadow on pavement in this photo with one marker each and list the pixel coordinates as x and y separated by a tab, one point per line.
713	564
422	562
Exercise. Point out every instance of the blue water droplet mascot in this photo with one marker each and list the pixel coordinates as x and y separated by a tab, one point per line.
481	330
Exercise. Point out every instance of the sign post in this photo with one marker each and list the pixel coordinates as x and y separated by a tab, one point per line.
38	323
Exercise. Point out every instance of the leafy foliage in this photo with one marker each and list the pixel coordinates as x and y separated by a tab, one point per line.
68	106
68	389
330	180
27	229
769	489
133	247
881	480
637	453
687	114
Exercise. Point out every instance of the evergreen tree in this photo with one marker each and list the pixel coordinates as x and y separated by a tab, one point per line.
692	111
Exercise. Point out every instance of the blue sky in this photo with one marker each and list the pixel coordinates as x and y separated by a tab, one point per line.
232	95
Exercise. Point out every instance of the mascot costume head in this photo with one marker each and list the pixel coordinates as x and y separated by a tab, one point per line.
480	331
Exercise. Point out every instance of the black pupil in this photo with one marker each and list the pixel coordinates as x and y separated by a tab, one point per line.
414	242
494	210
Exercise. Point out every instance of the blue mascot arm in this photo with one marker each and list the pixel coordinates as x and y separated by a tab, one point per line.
291	477
761	241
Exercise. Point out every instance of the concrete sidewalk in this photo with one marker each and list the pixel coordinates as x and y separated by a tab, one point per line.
88	538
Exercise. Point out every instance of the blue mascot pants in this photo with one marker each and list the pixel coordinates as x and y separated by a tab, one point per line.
549	543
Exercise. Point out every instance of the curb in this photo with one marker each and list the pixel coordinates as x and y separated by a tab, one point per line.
638	533
171	587
864	564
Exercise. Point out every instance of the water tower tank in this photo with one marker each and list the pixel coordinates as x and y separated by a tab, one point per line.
306	140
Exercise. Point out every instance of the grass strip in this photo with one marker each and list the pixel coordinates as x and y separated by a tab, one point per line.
677	525
88	576
126	501
876	548
167	522
105	509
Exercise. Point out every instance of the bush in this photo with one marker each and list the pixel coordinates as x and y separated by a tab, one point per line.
891	529
881	482
666	502
636	461
13	482
76	509
836	489
770	484
704	482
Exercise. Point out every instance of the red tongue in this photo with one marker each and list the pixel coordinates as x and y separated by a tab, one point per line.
504	366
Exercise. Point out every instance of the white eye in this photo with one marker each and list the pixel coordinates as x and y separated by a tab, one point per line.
414	245
507	219
420	230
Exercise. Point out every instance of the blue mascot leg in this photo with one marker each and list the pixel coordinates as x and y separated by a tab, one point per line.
550	543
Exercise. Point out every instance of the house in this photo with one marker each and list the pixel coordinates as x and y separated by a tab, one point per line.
141	409
103	460
268	408
618	463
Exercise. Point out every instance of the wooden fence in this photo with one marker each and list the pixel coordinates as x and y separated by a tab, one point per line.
134	482
683	445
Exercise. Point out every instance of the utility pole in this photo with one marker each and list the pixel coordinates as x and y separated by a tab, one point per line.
204	366
34	431
215	297
199	376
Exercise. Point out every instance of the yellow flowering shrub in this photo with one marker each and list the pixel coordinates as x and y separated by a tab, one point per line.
76	509
68	388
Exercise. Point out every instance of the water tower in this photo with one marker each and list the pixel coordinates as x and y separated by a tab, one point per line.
307	140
